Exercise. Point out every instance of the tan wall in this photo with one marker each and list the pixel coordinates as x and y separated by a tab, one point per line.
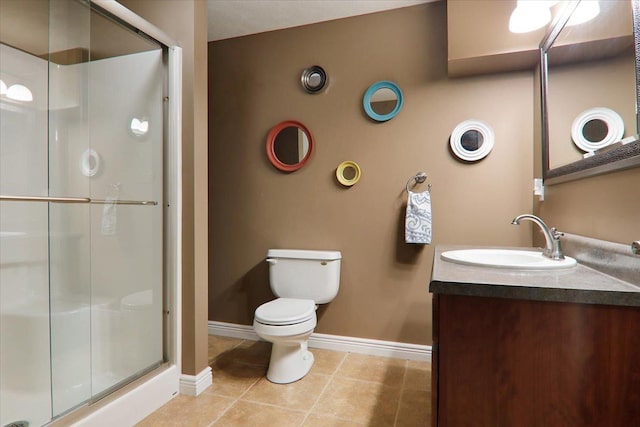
186	21
254	84
603	207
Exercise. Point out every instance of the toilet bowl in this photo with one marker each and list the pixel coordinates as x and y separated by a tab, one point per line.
287	323
301	279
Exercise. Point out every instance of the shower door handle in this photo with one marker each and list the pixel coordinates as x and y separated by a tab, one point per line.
46	199
76	200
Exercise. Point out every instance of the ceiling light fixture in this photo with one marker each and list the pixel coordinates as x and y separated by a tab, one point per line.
19	93
529	15
585	11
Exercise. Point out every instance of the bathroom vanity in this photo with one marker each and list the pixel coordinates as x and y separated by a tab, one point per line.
531	348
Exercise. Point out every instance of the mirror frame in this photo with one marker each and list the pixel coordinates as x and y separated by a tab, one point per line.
348	182
366	100
271	141
488	140
616	157
305	79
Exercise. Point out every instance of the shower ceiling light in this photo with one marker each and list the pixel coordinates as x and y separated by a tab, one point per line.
19	93
529	15
585	11
3	87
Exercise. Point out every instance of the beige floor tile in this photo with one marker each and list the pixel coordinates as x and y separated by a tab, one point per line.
418	375
218	345
326	361
233	379
364	402
384	370
314	420
299	395
249	414
188	411
251	352
414	409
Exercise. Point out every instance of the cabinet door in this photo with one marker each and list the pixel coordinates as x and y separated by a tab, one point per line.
506	362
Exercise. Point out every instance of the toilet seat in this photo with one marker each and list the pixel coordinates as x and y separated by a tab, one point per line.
285	311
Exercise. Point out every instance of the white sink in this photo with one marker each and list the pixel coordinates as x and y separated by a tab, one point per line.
506	258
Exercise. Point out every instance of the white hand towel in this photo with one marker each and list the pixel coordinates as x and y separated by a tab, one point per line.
109	217
418	219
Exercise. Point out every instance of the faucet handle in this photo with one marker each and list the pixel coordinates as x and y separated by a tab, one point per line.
556	234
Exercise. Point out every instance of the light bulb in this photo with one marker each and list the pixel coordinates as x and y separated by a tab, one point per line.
19	93
3	87
529	15
585	11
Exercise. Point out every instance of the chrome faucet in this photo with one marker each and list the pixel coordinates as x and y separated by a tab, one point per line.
552	236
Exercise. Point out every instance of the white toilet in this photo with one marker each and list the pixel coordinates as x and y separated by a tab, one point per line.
300	279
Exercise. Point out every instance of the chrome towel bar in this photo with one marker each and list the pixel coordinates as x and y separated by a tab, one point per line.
76	200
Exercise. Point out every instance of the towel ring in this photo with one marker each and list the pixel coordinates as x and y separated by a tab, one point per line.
419	178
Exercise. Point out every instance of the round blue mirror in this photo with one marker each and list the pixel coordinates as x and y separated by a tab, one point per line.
382	101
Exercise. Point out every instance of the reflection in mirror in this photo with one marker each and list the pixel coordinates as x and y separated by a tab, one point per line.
590	66
595	130
349	173
382	101
471	140
289	145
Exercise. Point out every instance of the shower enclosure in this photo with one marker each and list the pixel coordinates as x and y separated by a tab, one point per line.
83	102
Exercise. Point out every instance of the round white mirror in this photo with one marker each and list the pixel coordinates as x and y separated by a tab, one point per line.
596	128
472	140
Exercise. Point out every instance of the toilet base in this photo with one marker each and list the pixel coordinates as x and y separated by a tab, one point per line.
290	361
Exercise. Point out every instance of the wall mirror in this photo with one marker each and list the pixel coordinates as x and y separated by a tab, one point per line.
586	68
313	79
596	128
289	145
472	140
348	173
382	101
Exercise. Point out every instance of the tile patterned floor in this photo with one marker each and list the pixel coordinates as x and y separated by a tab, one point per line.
342	390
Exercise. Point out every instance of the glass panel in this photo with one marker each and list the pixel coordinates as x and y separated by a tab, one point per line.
126	133
70	240
24	264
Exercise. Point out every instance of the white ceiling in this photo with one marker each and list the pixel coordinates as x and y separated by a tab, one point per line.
233	18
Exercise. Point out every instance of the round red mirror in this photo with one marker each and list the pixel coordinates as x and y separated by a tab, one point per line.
289	145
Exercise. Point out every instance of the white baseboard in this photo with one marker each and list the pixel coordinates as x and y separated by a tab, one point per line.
193	385
335	342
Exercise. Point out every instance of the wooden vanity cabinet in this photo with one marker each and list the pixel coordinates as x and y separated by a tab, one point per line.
511	362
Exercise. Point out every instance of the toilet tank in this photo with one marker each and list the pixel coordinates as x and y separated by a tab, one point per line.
307	274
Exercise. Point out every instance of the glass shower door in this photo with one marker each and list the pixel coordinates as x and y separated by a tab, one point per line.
25	378
81	224
126	97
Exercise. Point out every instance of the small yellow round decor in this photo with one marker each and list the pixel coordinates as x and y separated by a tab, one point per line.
348	173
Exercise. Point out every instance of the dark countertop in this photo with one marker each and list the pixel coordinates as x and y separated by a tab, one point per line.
578	284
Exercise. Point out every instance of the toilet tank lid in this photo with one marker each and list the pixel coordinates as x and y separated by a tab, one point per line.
304	254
